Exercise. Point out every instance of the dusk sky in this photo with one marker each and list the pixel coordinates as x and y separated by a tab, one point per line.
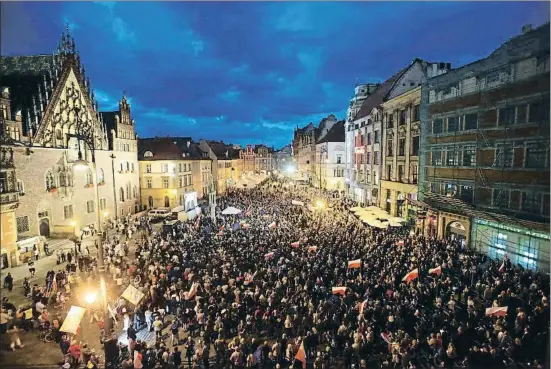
251	72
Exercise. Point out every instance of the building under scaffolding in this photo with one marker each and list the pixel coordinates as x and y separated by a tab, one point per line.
485	152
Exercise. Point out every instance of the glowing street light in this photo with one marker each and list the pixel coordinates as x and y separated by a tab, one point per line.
91	297
320	204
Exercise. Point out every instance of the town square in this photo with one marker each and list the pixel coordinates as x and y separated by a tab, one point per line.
272	185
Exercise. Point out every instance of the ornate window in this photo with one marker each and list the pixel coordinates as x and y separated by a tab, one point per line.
62	179
50	180
89	179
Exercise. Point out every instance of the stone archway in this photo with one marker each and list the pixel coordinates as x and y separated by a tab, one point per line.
456	231
44	227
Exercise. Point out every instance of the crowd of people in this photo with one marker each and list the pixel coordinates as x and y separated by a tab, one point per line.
271	287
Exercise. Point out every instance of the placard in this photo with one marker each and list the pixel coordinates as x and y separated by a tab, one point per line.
133	295
72	321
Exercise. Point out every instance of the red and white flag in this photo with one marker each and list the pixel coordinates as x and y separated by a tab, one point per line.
502	267
272	225
269	255
248	212
385	337
301	355
355	264
436	271
220	233
497	311
401	243
312	248
411	276
192	291
249	278
295	244
245	225
197	222
362	307
338	290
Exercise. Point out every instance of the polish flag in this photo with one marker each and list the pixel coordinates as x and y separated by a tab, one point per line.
502	267
295	244
192	291
249	277
301	355
269	255
313	248
411	275
362	307
436	271
401	243
245	225
222	228
272	225
338	290
385	337
197	222
248	211
355	264
220	233
497	311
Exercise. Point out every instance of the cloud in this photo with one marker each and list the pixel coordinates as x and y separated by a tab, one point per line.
261	69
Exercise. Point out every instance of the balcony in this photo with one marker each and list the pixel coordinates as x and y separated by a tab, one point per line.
9	200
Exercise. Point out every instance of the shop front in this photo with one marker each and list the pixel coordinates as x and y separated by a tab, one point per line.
524	246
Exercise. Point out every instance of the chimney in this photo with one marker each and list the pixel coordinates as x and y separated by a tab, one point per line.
526	28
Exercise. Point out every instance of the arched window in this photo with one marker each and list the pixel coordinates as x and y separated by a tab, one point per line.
128	190
89	179
150	201
135	192
128	166
50	180
101	176
148	154
62	179
121	194
122	167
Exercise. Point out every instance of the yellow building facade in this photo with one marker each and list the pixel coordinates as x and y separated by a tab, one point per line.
172	170
400	164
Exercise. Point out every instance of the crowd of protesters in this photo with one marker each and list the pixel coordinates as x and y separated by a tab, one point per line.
271	287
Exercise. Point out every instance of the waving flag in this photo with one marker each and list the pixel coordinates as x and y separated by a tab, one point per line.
497	311
220	233
401	243
269	255
222	228
313	248
502	267
436	271
301	355
245	226
362	307
197	222
272	225
249	278
295	244
248	212
192	291
385	337
338	290
355	264
411	275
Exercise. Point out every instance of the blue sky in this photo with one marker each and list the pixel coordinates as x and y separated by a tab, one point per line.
250	72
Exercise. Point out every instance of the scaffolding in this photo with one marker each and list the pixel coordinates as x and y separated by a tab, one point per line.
480	187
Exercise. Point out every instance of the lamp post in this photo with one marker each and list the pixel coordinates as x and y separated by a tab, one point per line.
85	133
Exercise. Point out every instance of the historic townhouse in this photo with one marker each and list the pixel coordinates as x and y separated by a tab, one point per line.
172	172
227	165
330	151
485	152
369	124
283	160
50	119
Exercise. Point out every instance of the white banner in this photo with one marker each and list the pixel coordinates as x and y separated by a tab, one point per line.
72	321
296	202
133	295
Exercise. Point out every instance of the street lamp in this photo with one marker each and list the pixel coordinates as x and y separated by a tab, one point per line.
91	297
85	132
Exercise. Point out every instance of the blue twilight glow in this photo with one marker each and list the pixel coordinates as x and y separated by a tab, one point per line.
250	72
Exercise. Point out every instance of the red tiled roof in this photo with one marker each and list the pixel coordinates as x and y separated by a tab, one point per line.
377	97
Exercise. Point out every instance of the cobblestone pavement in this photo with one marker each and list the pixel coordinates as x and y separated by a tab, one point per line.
37	353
